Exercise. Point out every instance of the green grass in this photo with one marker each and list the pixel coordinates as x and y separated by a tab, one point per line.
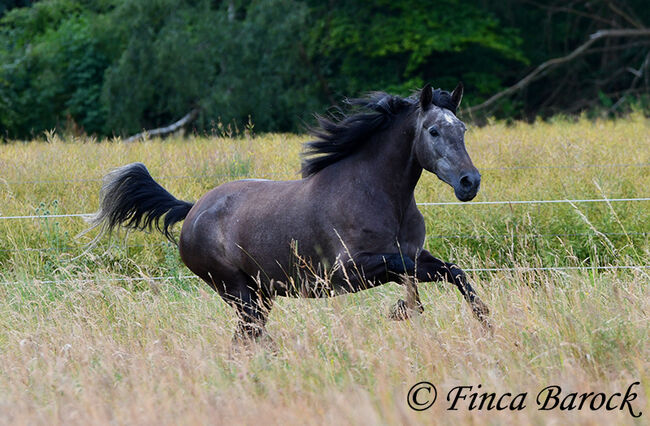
95	346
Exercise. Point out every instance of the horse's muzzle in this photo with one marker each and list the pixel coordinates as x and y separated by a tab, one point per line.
468	185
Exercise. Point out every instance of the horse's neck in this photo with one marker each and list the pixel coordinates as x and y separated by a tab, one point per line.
387	162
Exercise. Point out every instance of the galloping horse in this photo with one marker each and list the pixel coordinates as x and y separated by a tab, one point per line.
349	224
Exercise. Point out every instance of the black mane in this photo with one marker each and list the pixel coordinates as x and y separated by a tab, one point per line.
339	137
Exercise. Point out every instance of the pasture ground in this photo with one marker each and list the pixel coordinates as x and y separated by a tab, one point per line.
81	342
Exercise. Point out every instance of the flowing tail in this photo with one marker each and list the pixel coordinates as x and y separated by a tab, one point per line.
131	198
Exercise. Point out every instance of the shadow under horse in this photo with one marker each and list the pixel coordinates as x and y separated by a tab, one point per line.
351	222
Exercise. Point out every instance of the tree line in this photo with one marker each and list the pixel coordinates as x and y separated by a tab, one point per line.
115	67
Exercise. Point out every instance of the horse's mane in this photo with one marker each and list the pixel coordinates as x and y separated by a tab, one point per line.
339	136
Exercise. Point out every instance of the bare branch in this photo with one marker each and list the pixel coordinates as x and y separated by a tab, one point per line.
553	9
639	73
619	47
161	131
624	15
544	67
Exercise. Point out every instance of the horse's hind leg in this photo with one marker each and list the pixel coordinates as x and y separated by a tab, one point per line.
252	304
253	310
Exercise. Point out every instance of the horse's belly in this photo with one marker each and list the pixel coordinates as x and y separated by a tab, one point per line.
290	270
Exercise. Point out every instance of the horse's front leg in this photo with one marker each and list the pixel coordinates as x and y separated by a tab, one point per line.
430	268
367	270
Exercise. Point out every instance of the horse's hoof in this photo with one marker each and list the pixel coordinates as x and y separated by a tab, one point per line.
243	346
398	312
401	312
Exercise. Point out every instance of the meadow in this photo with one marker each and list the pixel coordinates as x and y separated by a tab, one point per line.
122	334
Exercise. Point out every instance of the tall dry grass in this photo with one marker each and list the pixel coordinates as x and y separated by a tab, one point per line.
89	349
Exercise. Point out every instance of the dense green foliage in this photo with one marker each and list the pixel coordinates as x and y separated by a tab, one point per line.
113	67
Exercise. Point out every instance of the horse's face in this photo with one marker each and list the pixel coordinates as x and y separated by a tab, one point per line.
440	145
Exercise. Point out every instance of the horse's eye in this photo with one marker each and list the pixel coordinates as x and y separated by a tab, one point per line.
433	131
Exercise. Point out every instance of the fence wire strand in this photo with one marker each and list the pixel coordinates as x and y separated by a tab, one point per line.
479	203
556	268
276	174
66	249
423	204
186	277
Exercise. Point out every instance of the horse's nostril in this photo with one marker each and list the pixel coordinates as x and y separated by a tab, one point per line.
466	182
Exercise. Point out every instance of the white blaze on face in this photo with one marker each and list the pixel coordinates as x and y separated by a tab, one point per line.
450	118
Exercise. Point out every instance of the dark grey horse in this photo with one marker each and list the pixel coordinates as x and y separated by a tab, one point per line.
349	224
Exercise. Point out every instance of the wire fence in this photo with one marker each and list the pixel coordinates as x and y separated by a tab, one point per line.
109	279
557	268
66	249
46	216
520	269
480	203
234	175
237	174
549	235
570	166
423	204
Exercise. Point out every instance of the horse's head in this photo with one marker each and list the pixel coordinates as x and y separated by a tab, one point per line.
440	142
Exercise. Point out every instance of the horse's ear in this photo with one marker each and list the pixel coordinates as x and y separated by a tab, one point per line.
426	95
457	94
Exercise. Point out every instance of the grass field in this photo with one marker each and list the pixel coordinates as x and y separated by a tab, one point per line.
82	342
